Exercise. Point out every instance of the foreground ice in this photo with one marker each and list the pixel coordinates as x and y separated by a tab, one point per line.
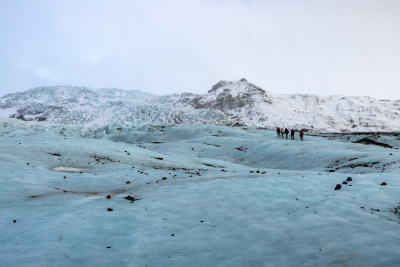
200	195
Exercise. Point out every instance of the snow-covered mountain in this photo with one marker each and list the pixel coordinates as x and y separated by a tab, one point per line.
226	103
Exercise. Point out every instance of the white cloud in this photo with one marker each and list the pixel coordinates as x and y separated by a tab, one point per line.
322	47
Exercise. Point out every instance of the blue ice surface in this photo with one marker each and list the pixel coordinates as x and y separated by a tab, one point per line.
233	196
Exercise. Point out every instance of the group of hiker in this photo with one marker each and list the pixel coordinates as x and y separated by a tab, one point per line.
280	132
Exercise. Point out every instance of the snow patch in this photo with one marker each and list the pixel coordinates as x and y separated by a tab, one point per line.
68	169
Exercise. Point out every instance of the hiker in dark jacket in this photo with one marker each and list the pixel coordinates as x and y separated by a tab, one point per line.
286	132
301	135
292	134
282	132
278	131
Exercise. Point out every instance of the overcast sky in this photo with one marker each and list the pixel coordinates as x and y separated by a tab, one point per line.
345	47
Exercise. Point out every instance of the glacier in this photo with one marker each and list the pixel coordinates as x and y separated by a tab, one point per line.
195	195
226	103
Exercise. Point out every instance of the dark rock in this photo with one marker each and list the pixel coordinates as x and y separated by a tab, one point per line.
172	235
128	182
164	178
108	247
349	179
109	209
108	196
131	199
14	221
338	187
383	183
159	158
201	221
344	182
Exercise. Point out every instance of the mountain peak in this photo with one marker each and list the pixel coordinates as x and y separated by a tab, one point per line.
235	88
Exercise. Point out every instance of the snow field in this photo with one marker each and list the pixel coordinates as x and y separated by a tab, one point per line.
240	197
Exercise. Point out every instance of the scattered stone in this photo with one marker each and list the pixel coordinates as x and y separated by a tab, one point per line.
257	171
108	196
344	182
108	247
251	171
172	235
383	183
338	187
65	177
131	199
164	178
349	179
159	158
128	182
201	221
14	221
27	163
109	209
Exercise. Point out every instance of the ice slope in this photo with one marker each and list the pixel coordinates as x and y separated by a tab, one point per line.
86	106
227	103
207	196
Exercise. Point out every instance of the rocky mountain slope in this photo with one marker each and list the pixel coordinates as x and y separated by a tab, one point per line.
226	103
